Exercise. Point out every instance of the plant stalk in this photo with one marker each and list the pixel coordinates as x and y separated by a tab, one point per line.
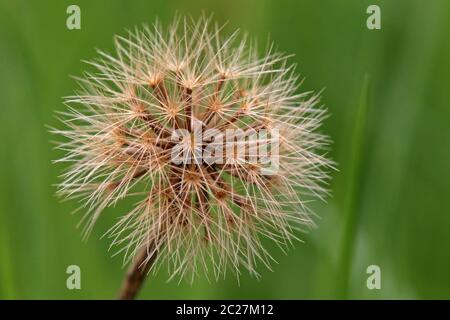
137	273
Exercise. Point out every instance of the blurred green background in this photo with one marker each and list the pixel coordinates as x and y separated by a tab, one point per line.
388	95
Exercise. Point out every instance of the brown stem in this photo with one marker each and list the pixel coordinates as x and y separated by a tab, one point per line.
137	273
188	98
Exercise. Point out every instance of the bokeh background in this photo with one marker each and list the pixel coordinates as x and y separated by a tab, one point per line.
388	95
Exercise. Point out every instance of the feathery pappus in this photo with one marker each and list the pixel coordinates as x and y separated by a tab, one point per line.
212	139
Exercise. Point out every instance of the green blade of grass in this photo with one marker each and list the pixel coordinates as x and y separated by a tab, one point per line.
7	290
351	205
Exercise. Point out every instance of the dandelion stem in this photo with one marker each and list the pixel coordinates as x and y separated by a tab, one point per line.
137	273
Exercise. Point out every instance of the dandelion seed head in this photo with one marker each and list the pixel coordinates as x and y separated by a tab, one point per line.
119	131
